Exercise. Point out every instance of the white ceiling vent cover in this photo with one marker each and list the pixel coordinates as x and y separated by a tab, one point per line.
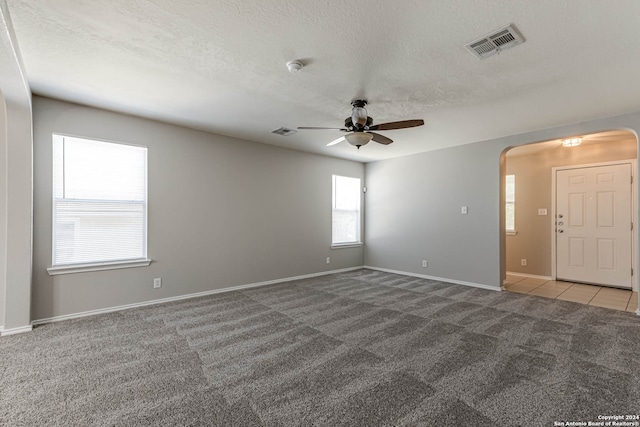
495	42
284	131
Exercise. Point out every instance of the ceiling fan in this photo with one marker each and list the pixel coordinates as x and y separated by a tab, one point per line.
360	125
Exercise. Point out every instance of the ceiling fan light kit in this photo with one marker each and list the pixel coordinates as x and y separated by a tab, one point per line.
360	126
358	139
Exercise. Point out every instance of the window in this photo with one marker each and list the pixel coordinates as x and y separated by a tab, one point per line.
99	203
345	211
510	203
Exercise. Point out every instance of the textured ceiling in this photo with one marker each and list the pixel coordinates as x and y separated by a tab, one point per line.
219	65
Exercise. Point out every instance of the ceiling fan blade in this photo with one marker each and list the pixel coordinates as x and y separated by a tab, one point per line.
307	127
380	139
336	141
397	125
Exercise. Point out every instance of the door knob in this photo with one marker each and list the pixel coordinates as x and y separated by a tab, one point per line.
561	223
560	216
560	231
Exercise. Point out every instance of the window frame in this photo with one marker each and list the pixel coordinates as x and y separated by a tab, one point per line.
78	267
358	241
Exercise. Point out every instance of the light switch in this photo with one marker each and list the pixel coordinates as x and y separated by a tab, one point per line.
463	210
542	211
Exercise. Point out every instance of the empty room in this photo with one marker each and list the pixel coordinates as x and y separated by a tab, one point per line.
280	213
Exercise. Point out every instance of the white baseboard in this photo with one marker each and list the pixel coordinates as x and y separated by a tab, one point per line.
182	297
532	276
440	279
12	331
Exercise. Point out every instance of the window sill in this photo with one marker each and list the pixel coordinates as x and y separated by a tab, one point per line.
346	245
83	268
512	233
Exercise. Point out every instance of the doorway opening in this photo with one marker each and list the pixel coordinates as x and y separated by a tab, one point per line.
554	193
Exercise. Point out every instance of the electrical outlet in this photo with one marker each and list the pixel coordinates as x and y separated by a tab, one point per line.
425	264
157	283
328	260
523	262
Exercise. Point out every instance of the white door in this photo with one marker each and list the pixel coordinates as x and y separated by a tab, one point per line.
593	225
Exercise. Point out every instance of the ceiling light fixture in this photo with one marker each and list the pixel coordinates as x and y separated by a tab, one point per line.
294	66
572	142
358	139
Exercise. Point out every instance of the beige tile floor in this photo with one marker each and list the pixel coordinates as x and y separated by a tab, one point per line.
617	299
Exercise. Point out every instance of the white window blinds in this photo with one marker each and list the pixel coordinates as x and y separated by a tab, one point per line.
99	201
345	210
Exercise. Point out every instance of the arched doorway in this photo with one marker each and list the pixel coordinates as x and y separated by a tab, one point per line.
531	258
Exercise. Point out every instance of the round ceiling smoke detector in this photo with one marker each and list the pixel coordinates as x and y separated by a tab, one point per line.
294	66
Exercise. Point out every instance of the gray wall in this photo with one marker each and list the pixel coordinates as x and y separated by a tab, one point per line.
413	206
3	206
17	170
222	212
413	211
533	191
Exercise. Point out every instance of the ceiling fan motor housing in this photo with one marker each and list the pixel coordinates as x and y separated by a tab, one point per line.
349	124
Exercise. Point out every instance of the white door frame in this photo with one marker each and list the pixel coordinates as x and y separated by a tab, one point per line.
634	214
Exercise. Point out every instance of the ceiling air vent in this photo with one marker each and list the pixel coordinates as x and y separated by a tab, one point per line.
493	43
284	131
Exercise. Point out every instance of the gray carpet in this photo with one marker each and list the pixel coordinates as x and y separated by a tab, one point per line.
363	348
